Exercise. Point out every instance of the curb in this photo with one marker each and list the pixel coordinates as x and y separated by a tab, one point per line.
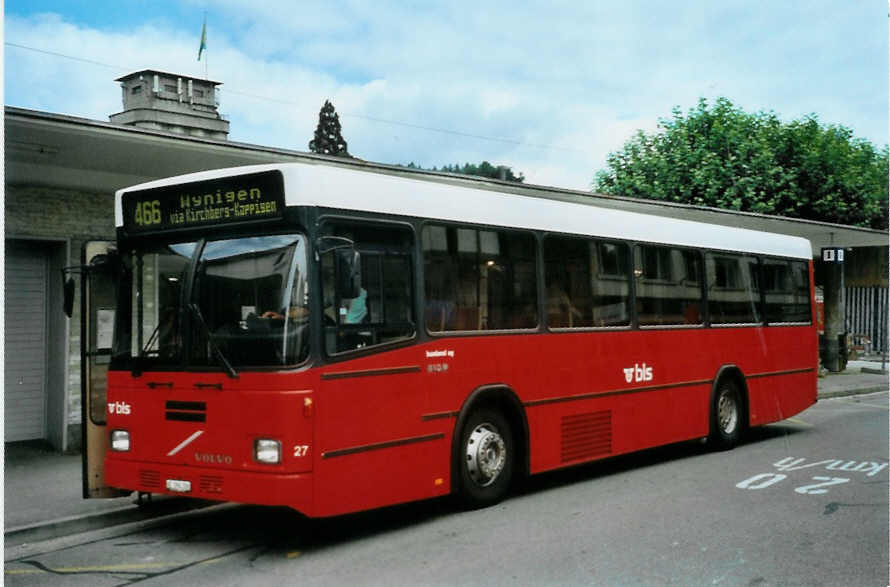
848	392
59	527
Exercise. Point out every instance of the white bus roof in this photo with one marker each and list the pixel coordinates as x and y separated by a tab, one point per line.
433	197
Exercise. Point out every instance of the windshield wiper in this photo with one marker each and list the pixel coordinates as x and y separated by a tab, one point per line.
151	340
138	362
196	311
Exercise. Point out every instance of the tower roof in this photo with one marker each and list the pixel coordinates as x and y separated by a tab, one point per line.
166	73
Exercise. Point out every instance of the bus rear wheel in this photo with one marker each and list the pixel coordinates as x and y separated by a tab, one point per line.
485	459
726	416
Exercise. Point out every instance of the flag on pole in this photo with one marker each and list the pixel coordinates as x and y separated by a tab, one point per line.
203	39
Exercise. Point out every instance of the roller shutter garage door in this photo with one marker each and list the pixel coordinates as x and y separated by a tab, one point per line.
25	349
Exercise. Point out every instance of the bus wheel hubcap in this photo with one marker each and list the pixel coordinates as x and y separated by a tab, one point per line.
486	454
727	412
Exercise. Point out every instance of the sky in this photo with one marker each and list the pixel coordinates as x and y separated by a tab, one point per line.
546	88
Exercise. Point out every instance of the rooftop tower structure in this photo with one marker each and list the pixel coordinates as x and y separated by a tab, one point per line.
170	102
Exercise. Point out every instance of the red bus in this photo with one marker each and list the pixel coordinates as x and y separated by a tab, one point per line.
334	339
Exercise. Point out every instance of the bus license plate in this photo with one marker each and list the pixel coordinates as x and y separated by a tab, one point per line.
179	486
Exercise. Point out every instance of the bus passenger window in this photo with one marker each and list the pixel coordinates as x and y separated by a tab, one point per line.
479	279
567	282
786	289
586	283
611	283
668	286
733	288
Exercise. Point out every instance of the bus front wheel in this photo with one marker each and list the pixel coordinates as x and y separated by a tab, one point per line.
485	459
726	416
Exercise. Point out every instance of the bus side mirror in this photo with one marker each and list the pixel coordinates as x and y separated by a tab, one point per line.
68	288
349	272
109	261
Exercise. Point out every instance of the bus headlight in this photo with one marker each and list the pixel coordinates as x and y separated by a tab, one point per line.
120	440
266	450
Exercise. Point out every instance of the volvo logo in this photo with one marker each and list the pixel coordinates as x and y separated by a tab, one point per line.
213	459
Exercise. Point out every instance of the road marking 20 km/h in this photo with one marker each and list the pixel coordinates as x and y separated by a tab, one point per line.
789	464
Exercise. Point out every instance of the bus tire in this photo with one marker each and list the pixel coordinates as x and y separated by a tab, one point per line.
485	459
727	412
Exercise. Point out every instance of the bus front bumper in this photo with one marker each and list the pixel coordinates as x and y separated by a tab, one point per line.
274	489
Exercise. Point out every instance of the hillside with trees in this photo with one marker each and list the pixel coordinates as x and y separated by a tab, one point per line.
484	169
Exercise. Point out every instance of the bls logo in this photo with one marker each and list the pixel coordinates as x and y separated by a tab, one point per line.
119	408
638	373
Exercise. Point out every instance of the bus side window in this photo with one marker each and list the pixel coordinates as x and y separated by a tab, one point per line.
479	279
668	286
567	282
786	288
586	283
733	288
383	311
611	285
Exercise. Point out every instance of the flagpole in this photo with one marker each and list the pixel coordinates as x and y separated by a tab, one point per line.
202	48
205	50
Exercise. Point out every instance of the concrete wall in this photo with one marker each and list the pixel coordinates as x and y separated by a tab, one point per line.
63	219
863	267
866	267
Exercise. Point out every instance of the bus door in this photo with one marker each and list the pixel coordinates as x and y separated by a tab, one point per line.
96	327
372	402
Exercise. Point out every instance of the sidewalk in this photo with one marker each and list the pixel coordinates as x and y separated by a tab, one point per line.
42	489
42	497
859	377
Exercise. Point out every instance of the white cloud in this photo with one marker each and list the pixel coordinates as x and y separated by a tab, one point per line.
563	84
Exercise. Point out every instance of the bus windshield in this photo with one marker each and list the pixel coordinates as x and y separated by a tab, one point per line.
230	303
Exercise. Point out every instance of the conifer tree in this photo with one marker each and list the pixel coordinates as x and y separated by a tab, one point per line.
328	140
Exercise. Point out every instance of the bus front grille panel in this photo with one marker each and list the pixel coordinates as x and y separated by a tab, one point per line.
586	436
210	484
149	478
186	411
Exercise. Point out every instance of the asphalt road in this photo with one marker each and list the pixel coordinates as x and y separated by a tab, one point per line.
803	502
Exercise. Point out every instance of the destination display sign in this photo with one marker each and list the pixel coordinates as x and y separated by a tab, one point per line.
227	200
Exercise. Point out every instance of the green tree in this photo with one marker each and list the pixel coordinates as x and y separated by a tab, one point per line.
723	157
328	140
484	169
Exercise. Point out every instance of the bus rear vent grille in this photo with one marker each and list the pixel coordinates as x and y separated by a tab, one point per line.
210	484
149	478
586	436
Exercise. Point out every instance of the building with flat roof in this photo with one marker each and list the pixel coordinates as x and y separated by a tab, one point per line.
169	102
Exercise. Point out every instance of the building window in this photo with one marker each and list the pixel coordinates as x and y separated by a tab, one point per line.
656	262
136	89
